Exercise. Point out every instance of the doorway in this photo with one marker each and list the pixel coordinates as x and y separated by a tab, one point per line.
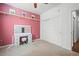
75	30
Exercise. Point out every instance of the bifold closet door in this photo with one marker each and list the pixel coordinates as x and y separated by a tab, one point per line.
51	30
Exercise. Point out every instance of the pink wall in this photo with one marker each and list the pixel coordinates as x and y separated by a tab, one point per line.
7	24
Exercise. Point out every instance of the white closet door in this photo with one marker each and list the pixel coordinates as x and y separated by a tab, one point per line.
59	30
52	30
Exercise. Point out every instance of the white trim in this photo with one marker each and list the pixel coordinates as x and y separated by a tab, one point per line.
10	45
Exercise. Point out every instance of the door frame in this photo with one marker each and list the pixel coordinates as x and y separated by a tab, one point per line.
72	29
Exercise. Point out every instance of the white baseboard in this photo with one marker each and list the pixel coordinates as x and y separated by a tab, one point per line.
10	45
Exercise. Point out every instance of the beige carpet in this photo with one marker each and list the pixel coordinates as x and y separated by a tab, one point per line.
37	48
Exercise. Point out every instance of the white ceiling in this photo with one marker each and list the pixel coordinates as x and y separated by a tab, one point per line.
29	7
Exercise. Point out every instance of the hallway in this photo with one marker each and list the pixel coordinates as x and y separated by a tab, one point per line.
76	47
